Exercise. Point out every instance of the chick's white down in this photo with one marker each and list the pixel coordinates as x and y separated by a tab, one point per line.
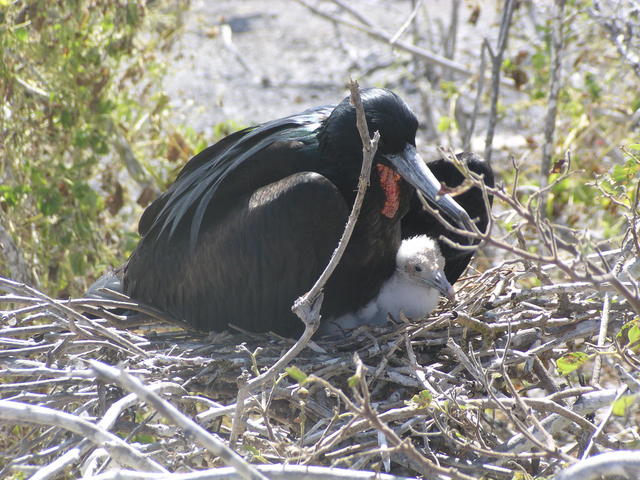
414	288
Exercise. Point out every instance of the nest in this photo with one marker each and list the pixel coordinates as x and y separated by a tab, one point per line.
506	380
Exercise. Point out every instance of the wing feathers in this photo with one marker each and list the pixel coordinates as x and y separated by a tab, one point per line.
198	183
281	231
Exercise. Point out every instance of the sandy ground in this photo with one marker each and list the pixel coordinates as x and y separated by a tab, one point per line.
250	61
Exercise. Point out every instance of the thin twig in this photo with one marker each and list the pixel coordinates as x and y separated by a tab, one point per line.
378	33
496	66
167	410
466	141
307	307
124	453
602	338
274	472
557	40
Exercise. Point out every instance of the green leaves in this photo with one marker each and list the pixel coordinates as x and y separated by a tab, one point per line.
450	89
10	195
444	124
21	34
353	381
422	400
622	405
49	201
626	172
571	362
629	335
593	87
297	374
67	81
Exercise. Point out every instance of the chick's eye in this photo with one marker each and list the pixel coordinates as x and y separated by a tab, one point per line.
417	268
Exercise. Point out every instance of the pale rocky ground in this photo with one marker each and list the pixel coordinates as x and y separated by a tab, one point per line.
251	61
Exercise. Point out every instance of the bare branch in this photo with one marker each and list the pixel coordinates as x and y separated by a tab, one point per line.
625	464
496	65
274	472
557	41
204	438
121	451
380	34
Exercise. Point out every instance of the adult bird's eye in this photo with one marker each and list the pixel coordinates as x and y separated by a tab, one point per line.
417	268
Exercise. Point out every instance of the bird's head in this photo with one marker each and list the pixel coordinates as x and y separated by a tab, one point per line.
385	112
419	261
396	156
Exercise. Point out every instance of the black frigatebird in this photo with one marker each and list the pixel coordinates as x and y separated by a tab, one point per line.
251	221
414	288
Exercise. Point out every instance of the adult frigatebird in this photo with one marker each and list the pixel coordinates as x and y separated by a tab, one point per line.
414	288
251	221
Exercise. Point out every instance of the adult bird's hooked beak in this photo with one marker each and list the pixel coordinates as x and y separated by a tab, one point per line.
410	165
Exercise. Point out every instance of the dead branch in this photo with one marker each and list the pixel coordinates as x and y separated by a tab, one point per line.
625	464
366	26
274	472
210	442
307	307
496	65
122	452
554	90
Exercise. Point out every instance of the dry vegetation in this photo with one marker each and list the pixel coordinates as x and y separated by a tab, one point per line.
533	373
508	381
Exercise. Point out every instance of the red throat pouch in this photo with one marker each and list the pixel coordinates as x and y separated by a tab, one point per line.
390	183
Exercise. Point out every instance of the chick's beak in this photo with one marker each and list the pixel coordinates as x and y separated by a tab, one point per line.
439	282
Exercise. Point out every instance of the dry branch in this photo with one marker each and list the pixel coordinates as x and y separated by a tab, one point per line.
274	472
496	66
365	25
625	464
122	452
204	438
554	90
307	307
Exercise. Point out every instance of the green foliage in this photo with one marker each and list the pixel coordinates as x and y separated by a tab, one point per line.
521	475
592	85
622	405
444	124
422	400
143	438
571	362
598	96
256	455
297	374
353	381
16	475
619	182
629	335
67	71
449	89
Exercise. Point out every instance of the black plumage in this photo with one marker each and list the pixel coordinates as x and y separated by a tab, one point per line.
251	221
417	221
